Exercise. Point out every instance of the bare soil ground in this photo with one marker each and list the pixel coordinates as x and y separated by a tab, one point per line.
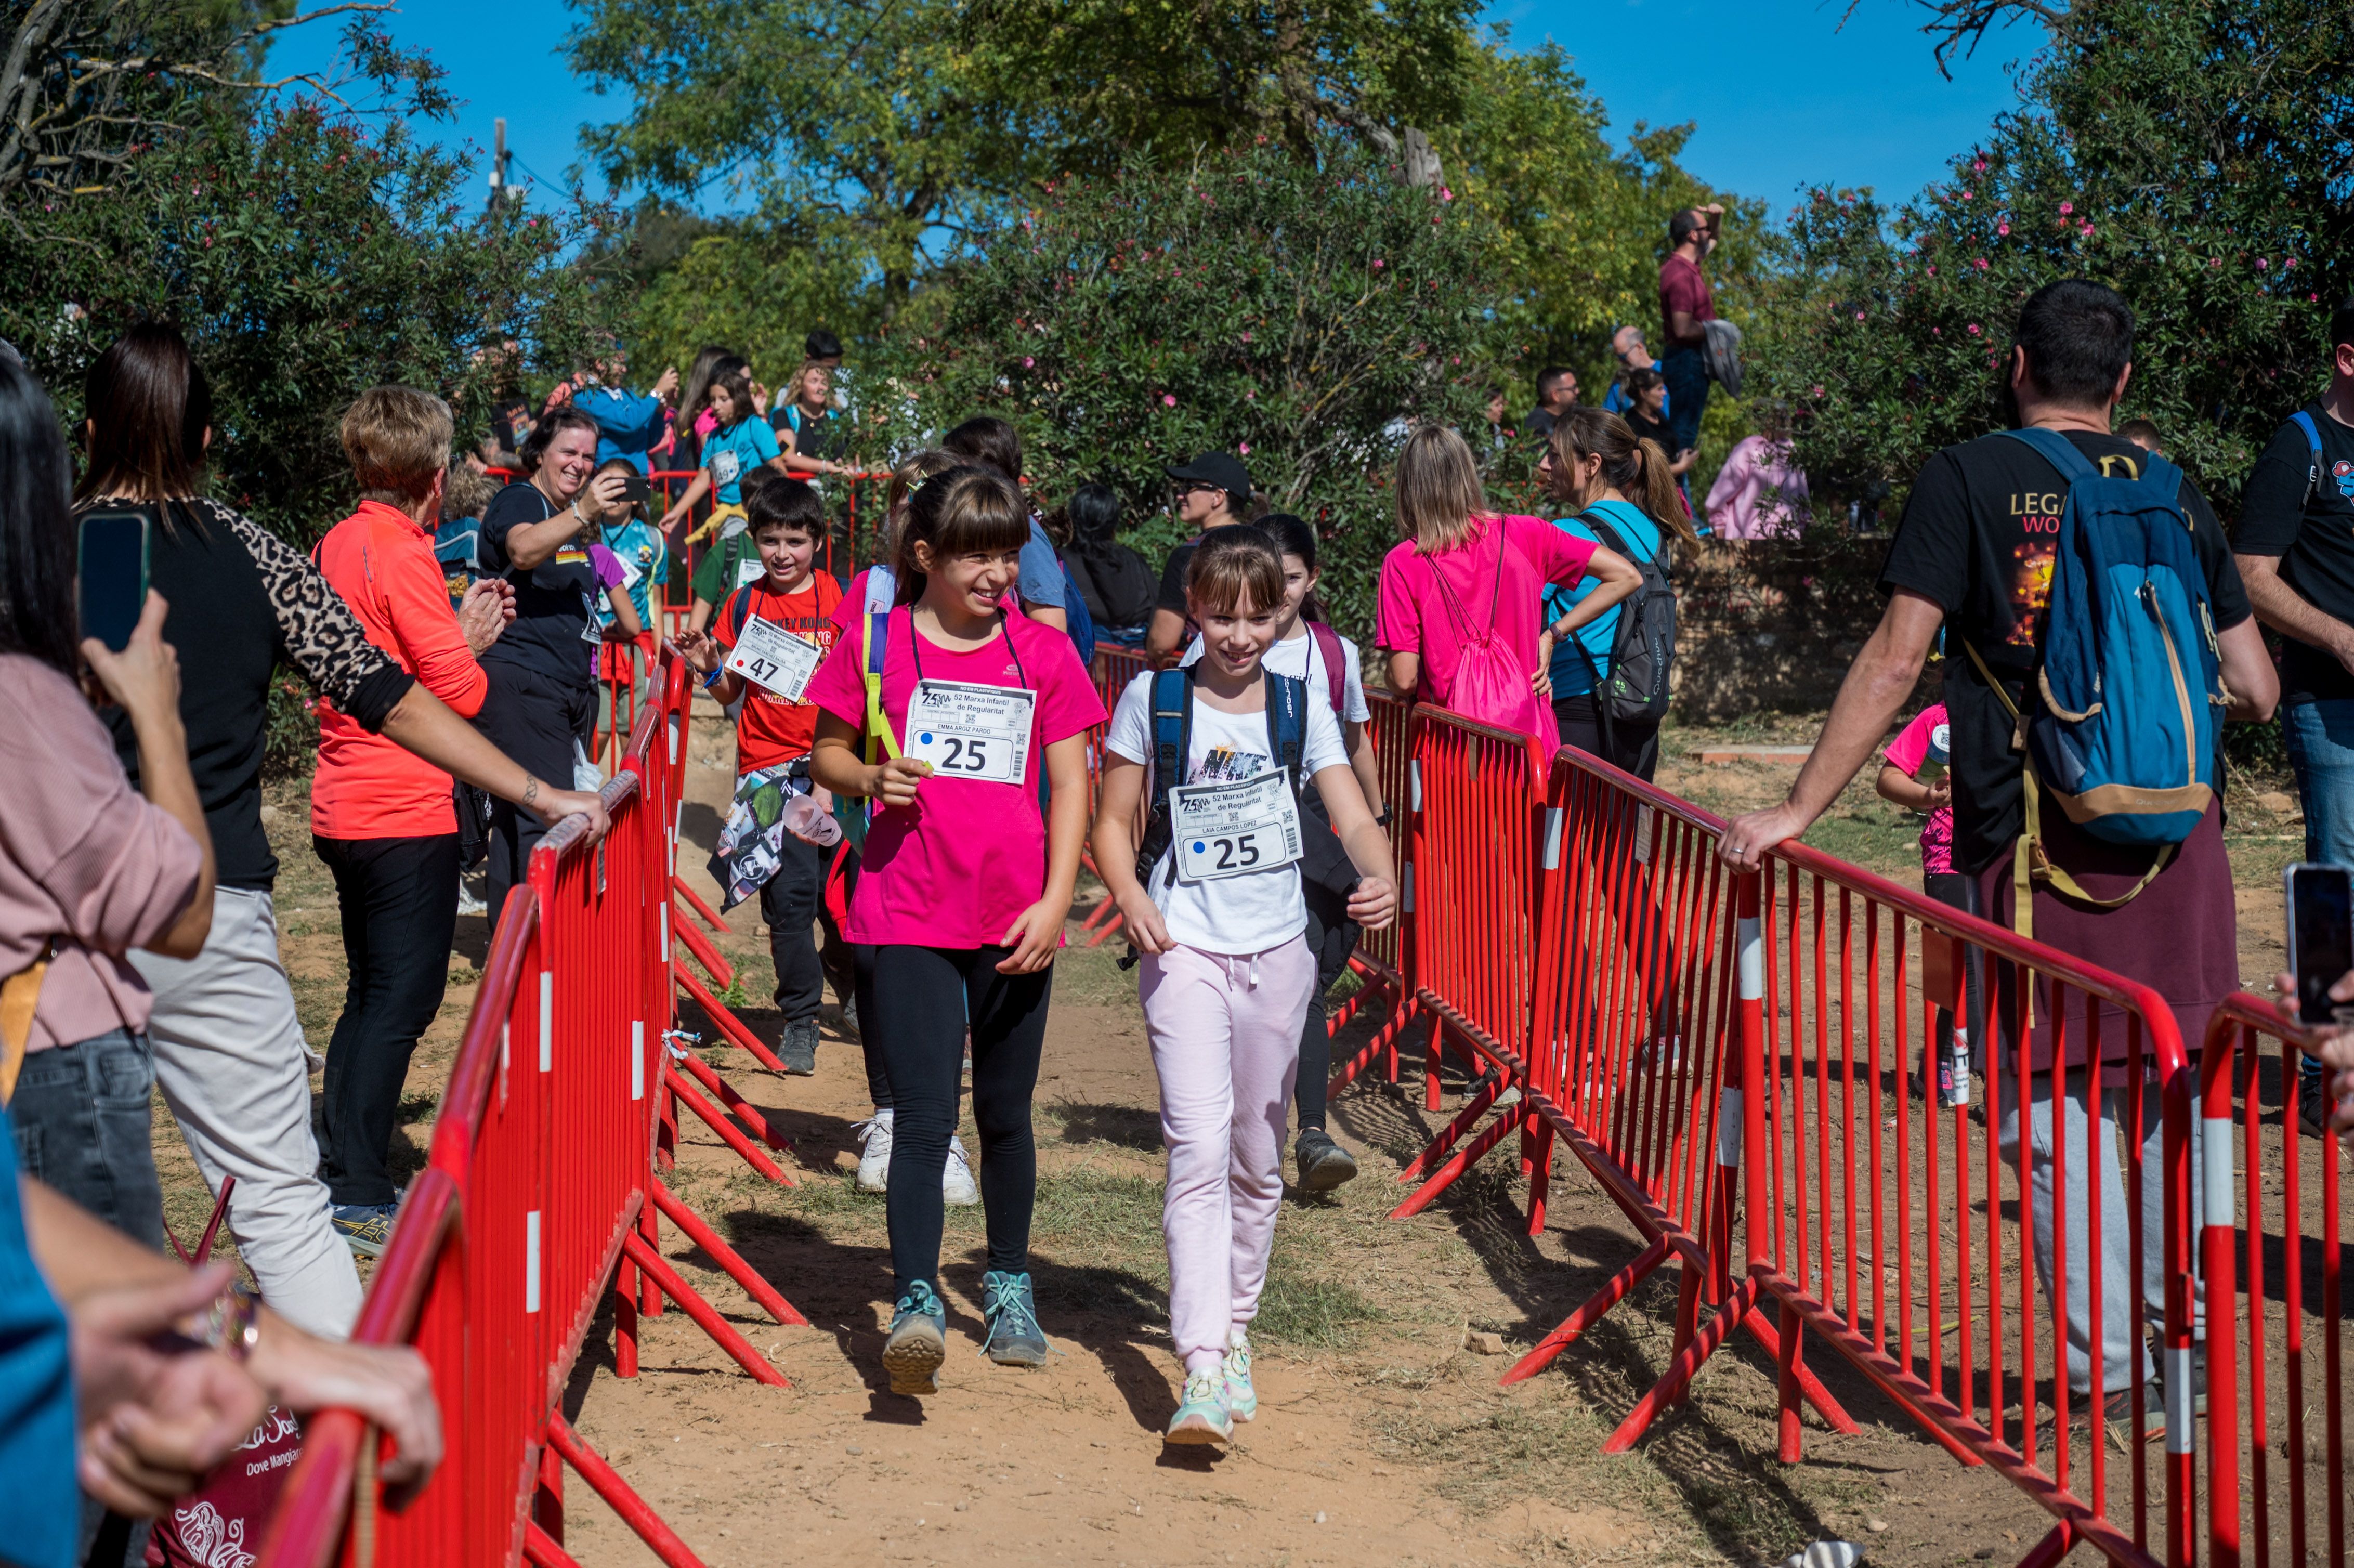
1380	1440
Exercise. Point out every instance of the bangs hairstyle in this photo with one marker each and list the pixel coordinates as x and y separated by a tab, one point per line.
397	438
148	405
788	503
1232	568
550	426
1438	489
738	384
967	511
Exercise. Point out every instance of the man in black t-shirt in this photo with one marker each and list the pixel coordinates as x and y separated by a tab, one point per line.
2296	551
1975	553
1213	491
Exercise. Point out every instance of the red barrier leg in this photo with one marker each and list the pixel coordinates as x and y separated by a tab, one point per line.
698	1068
1613	1291
722	972
1671	1388
619	1495
1686	1312
650	1228
1539	1175
1433	1054
1462	1161
1810	1387
725	1022
666	1129
2061	1541
658	1269
727	1131
625	1319
542	1553
547	1497
727	1257
695	901
1385	1039
1464	1121
1794	1334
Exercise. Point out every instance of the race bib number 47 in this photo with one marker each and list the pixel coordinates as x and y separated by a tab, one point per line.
774	659
1232	829
970	731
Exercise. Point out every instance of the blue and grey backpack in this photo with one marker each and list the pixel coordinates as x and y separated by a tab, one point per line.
2120	731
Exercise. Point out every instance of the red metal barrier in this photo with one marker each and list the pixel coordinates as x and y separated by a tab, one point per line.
2271	1260
537	1197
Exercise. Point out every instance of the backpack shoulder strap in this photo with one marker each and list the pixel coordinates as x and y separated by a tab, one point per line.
2058	450
1172	735
1287	723
740	610
2304	421
1336	664
878	725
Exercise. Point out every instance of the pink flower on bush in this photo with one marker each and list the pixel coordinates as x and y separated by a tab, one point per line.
1245	449
2263	263
1979	166
1980	263
1974	329
1379	263
1967	195
1027	362
2066	208
1169	400
2002	227
1445	194
2088	231
1859	315
1936	332
2214	261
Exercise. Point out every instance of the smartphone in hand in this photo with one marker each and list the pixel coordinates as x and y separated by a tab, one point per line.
111	573
2320	934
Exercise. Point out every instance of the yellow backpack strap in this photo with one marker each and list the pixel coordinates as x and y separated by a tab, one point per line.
20	993
877	641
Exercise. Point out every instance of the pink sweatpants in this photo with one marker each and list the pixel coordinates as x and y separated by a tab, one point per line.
1226	1037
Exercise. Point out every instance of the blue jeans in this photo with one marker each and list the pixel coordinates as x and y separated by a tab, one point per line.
83	1125
1686	370
2320	740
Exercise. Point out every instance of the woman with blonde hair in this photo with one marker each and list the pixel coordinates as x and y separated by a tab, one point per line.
1621	490
1458	611
806	425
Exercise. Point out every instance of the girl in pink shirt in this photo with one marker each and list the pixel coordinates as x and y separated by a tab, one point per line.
963	886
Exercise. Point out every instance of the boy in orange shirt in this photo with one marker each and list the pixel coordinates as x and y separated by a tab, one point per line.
765	640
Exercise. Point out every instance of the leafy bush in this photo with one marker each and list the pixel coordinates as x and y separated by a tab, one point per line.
1298	314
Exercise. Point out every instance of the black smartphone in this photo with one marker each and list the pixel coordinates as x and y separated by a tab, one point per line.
2320	934
112	575
635	488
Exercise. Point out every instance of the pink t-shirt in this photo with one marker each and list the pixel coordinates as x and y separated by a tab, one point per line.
1414	616
959	866
1924	740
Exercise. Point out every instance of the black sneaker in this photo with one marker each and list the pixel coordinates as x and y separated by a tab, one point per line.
1323	1164
798	1049
2118	1412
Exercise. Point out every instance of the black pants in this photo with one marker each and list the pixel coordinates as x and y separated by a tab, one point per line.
1634	747
1331	937
922	999
791	902
534	720
398	899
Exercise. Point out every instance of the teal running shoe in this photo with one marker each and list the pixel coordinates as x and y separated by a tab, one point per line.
918	1341
1009	1308
1242	1399
1202	1415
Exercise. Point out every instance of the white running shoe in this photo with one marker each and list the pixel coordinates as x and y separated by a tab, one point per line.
874	1153
957	1185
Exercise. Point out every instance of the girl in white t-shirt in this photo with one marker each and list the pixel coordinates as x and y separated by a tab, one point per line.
1308	650
1220	918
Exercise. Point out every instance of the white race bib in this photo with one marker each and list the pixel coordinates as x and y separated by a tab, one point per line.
750	570
724	466
970	731
1231	828
774	659
630	573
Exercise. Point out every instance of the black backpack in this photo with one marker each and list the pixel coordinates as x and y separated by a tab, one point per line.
1118	587
1643	650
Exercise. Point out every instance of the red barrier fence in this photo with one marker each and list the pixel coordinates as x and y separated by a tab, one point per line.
2272	1264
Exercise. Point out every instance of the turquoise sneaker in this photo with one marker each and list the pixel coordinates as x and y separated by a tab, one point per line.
1009	1308
918	1341
1202	1415
1242	1399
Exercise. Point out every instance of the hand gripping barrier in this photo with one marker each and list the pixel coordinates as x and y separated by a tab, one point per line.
538	1196
2270	1254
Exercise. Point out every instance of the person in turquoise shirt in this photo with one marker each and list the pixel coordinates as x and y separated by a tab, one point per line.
741	442
37	1396
634	542
1613	485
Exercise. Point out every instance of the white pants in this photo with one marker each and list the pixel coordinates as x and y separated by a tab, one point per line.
230	1059
1225	1040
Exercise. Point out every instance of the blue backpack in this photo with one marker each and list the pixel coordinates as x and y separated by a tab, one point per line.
2122	723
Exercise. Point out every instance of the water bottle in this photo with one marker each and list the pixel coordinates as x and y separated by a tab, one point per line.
1954	1072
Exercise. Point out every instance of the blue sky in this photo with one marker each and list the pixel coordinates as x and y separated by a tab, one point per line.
1783	94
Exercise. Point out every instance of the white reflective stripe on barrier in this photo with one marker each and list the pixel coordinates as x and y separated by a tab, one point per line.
1414	778
662	944
531	1261
1752	959
546	1020
1553	838
2220	1203
1728	1128
637	1058
507	1039
2181	1436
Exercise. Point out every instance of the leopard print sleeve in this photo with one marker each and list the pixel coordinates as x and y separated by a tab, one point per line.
319	633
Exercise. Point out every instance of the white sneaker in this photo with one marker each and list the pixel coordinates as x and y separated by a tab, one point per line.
957	1185
875	1155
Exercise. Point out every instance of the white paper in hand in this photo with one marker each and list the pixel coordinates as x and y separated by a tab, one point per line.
774	659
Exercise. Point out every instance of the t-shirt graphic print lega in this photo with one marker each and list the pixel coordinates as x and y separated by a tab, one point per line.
1258	910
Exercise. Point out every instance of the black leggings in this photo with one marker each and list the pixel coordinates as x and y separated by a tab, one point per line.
534	720
1632	746
922	999
1331	937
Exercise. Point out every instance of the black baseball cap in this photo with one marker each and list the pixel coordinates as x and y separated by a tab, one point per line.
1221	469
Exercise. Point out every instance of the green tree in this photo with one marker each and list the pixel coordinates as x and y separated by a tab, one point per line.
1297	313
2191	153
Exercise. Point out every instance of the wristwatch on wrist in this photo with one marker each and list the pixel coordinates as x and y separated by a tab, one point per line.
1384	820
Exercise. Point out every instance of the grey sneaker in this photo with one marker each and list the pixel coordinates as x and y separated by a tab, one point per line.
1009	1308
1323	1164
364	1227
918	1341
798	1049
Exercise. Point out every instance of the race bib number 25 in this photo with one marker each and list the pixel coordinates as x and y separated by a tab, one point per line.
971	731
1233	828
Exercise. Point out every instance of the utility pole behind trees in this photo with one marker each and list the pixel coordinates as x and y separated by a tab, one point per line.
498	164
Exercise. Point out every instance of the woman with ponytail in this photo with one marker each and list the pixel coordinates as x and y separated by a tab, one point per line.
1614	485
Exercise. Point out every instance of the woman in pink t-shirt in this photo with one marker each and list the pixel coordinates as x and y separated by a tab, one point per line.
963	888
1461	594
